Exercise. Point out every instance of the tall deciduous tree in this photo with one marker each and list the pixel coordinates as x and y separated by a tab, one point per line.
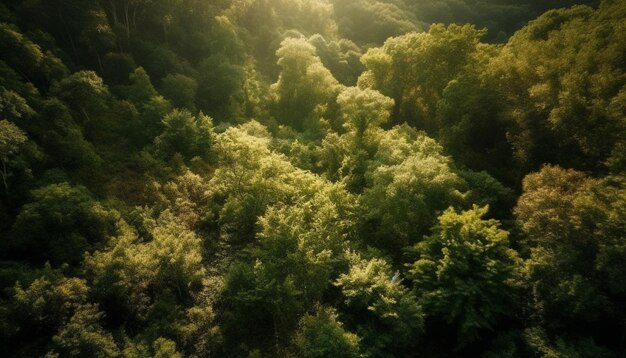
83	91
463	271
362	112
60	224
185	134
137	279
409	181
252	177
381	310
83	335
413	69
181	90
323	335
564	100
305	89
571	224
43	308
19	52
11	139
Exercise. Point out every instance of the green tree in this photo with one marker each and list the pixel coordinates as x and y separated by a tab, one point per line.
372	22
612	249
84	336
60	224
186	197
63	139
83	91
11	139
563	99
414	69
463	272
165	348
19	52
307	241
160	347
409	180
540	344
252	177
341	57
322	335
305	89
362	112
117	66
152	113
572	226
96	35
200	332
482	189
13	107
381	310
180	90
302	226
220	86
185	134
141	280
38	310
472	125
140	90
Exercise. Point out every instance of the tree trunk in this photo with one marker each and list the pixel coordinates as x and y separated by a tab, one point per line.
68	33
4	178
85	114
127	20
113	10
100	62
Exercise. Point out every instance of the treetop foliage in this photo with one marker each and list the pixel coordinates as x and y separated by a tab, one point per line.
312	178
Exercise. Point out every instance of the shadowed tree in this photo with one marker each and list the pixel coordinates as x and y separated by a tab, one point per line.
463	271
322	335
60	224
305	89
414	69
11	139
379	308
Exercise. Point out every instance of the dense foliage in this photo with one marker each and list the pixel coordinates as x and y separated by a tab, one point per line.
313	178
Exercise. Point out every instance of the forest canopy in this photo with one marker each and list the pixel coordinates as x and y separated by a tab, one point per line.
313	178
